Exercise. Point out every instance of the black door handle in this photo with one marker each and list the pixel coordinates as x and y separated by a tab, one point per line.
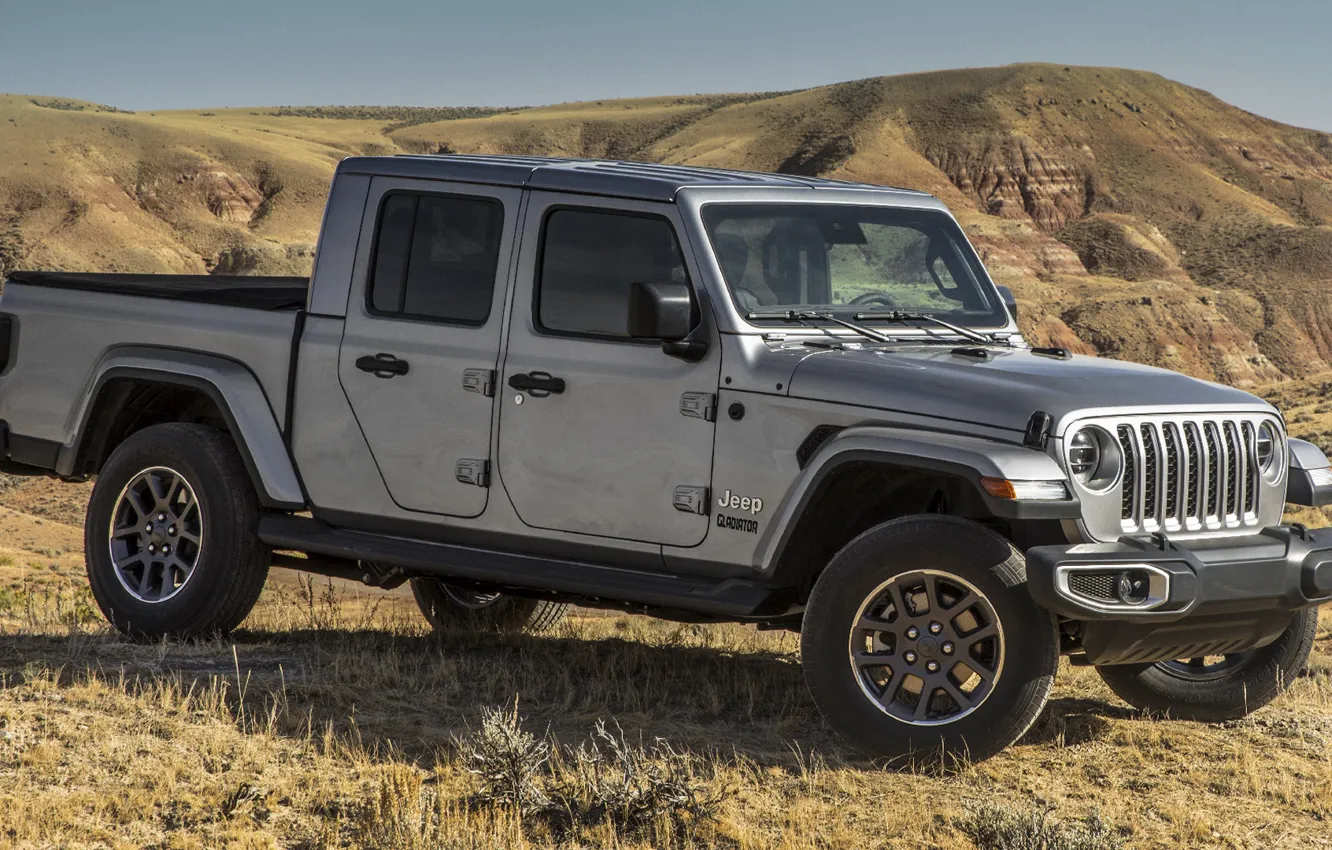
382	365
539	384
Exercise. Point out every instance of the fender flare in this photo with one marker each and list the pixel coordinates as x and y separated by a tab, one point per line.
231	386
964	457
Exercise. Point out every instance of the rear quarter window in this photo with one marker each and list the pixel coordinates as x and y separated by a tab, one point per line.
436	257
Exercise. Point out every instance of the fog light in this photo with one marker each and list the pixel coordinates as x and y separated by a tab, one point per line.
1132	588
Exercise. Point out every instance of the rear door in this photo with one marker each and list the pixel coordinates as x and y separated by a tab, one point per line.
615	446
422	336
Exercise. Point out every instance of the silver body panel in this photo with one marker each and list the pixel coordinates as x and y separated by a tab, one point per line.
604	457
420	425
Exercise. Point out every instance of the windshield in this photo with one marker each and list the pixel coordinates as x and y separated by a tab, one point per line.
848	260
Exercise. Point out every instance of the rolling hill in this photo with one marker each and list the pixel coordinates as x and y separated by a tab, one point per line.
1135	217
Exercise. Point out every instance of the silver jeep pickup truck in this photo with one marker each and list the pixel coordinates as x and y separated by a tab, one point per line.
520	383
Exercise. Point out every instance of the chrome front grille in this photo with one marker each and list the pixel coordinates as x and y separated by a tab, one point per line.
1188	473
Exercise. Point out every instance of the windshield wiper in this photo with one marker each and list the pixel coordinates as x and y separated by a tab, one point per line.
907	316
803	316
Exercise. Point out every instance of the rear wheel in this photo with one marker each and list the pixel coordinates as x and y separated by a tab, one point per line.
1217	688
449	607
171	536
920	640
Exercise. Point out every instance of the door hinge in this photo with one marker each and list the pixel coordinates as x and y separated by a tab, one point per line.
699	406
479	381
691	500
473	471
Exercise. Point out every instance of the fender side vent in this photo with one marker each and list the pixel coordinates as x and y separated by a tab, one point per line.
820	435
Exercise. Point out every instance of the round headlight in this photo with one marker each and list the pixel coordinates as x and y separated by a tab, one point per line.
1268	449
1093	458
1084	455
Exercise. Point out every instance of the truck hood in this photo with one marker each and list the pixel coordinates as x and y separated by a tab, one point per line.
1006	389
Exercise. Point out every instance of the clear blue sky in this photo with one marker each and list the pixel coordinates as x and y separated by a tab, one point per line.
1273	58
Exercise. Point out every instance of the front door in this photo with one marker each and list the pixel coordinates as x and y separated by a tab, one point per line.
422	337
594	438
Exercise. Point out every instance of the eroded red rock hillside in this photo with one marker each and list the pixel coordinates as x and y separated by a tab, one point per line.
1135	217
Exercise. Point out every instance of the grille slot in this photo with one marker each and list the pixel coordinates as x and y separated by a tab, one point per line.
1213	469
1129	501
1251	480
1151	464
1172	476
1234	462
1194	459
1188	474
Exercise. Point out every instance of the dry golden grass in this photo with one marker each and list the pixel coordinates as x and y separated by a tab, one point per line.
331	720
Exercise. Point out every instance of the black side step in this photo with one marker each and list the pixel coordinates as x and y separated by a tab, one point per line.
737	598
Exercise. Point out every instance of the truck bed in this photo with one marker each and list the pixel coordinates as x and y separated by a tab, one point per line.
65	331
262	293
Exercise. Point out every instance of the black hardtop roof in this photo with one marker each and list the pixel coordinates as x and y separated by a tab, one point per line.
640	180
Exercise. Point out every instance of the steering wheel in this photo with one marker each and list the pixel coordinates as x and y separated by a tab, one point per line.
877	298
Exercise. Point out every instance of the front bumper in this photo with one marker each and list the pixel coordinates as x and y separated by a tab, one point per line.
1148	599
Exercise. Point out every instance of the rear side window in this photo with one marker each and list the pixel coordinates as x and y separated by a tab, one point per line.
589	259
436	257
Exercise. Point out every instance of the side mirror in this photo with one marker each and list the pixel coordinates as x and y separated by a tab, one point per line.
666	311
1010	302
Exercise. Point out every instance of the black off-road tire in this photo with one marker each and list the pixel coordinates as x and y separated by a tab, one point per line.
940	545
445	608
1255	681
231	563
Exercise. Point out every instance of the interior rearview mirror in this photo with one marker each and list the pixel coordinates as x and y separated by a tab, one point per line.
665	311
1009	301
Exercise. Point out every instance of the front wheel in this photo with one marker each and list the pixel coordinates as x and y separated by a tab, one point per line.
1217	688
449	607
921	640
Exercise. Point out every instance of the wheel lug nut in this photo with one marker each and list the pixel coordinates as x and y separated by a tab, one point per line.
148	528
947	649
152	550
910	657
935	628
172	531
161	517
933	667
166	550
912	633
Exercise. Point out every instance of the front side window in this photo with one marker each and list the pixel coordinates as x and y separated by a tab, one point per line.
589	260
436	257
849	260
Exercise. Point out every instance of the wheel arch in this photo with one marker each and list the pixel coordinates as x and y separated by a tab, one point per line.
867	475
132	388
